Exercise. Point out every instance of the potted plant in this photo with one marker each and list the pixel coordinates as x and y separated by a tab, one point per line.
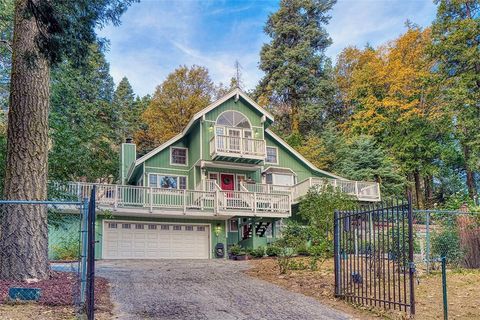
236	252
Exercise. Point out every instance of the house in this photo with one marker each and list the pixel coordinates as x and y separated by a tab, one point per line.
225	179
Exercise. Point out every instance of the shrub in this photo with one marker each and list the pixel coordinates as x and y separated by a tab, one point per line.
273	250
446	243
258	252
236	250
293	237
303	250
67	249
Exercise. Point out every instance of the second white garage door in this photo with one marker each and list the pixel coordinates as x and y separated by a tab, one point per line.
132	240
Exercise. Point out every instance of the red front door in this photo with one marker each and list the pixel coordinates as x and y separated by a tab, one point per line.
227	181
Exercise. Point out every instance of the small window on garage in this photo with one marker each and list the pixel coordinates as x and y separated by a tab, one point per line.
152	227
126	226
201	228
177	227
139	226
112	225
165	227
188	228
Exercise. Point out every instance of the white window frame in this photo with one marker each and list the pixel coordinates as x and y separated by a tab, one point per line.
266	154
179	164
169	175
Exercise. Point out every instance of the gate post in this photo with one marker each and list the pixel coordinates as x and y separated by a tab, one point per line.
91	257
410	255
336	253
84	252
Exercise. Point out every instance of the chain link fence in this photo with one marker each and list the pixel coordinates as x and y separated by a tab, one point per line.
43	255
454	235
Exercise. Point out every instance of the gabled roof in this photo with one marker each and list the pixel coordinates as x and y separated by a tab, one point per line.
233	93
299	156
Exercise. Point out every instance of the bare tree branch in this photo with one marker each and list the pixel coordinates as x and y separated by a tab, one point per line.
6	44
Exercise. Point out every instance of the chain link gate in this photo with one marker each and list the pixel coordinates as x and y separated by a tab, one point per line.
373	253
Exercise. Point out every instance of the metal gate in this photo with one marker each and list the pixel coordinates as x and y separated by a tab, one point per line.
374	256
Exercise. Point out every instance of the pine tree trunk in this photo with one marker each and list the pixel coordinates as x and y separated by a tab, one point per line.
24	233
470	176
428	182
418	190
295	119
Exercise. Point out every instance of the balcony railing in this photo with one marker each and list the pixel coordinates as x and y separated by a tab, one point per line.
362	190
213	202
230	146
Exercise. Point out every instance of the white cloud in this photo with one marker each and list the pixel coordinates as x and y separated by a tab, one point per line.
157	36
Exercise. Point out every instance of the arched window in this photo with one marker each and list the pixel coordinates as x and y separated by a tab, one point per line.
233	119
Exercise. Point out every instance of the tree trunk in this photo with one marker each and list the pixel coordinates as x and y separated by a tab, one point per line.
24	233
428	182
418	190
470	176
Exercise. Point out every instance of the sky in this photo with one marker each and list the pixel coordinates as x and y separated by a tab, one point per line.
157	36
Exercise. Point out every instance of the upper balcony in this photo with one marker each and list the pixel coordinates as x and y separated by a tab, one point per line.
233	146
206	201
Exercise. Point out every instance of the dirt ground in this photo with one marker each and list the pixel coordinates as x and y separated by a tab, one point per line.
65	311
463	291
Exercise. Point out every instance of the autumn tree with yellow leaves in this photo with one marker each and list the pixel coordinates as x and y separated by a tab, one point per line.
184	92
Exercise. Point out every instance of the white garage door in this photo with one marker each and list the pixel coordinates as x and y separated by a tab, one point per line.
130	240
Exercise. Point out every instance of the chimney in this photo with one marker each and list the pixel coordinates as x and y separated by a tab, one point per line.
128	155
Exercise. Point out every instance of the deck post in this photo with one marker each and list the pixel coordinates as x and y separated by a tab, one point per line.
151	199
356	189
254	207
115	200
185	202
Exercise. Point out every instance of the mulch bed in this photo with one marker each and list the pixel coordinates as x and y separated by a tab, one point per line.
61	289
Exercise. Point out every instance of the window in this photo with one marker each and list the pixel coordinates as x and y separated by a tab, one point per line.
233	119
152	227
178	156
112	225
168	182
177	227
165	227
233	225
272	156
126	226
188	228
139	226
202	228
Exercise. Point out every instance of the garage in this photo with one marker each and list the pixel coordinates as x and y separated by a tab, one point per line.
149	240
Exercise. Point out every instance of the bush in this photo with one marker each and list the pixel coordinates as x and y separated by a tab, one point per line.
236	250
446	243
273	250
303	250
68	249
258	252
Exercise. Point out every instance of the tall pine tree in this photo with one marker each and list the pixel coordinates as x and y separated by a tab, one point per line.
456	48
294	60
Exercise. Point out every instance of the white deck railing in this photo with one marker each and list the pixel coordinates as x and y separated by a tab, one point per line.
222	145
210	200
363	191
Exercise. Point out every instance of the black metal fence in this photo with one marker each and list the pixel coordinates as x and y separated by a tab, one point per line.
374	256
44	257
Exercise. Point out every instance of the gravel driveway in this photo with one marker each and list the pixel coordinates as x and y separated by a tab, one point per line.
202	289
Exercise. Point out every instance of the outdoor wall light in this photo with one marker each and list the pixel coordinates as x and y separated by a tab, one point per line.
210	128
218	229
